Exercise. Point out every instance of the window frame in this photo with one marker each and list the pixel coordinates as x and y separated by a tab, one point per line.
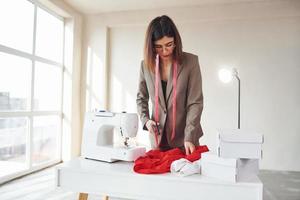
31	113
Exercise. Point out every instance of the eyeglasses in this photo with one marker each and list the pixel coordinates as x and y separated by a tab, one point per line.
169	46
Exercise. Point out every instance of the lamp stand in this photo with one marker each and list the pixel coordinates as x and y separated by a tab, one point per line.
239	100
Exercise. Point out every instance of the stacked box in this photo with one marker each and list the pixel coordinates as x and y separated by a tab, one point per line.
240	144
239	152
228	169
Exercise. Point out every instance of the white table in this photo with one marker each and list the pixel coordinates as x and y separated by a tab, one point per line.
119	180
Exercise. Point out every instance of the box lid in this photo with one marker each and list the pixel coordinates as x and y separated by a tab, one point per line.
212	158
238	135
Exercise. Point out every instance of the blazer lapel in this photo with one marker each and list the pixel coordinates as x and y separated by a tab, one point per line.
170	82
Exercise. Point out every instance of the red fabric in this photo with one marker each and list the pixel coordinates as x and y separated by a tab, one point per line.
157	162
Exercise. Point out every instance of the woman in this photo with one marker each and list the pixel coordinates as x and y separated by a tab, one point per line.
172	80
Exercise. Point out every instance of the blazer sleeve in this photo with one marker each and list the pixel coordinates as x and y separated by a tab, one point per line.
194	103
142	98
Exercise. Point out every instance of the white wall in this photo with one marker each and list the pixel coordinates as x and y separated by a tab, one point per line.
260	39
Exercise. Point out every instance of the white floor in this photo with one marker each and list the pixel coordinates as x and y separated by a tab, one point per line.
40	186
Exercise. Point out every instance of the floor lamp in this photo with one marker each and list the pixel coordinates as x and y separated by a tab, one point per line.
226	75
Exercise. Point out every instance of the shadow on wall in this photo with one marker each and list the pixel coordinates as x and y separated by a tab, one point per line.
121	98
95	81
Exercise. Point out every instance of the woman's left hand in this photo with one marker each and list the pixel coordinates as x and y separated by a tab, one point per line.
189	148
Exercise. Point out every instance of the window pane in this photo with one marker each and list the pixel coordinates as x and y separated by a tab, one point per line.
16	22
47	87
15	80
49	36
46	130
13	133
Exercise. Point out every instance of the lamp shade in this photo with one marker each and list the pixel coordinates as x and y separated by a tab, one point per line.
225	75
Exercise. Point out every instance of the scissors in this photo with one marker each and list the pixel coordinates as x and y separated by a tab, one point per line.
156	133
157	128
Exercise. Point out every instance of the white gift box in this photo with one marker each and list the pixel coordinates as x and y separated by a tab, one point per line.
228	169
240	144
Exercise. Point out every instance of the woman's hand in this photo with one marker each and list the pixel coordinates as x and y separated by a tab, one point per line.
189	148
151	126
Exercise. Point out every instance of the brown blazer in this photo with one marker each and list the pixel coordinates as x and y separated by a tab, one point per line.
189	102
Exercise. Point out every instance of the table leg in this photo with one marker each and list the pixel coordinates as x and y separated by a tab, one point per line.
83	196
105	197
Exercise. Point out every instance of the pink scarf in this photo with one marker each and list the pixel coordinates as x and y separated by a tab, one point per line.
157	79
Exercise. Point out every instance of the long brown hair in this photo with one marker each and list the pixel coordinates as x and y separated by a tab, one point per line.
157	29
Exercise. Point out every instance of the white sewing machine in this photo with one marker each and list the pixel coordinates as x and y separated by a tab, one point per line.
98	137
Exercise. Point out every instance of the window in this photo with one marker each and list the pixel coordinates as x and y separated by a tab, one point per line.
31	85
15	82
17	29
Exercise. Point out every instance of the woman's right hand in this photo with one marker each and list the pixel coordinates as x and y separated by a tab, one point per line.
151	126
